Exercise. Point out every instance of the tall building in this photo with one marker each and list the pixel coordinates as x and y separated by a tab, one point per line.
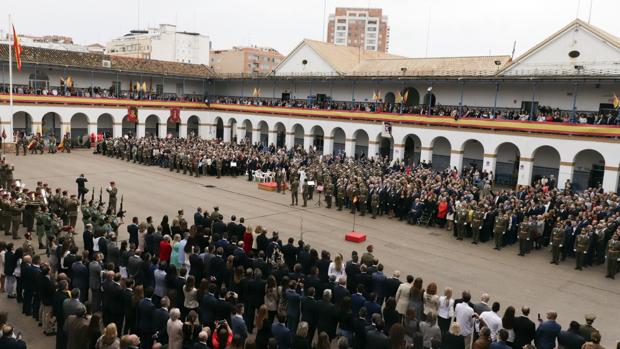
54	42
245	60
359	27
164	43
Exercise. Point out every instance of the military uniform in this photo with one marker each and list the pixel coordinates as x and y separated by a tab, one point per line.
72	210
218	167
5	215
612	255
16	210
329	190
363	200
582	245
374	203
340	196
499	229
112	192
461	222
295	192
524	237
304	193
557	241
476	224
39	218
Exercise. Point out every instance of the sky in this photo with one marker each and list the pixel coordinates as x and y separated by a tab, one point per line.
418	28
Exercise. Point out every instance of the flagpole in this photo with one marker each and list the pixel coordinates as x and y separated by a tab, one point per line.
10	133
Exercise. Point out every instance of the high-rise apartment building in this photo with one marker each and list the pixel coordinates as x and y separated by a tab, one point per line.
245	60
359	27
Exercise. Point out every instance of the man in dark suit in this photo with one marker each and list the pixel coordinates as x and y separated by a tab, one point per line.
28	283
371	305
524	328
359	330
80	277
352	268
108	296
237	323
94	281
133	229
36	295
281	333
87	238
255	297
328	319
198	218
117	311
231	228
357	300
289	251
310	311
340	291
196	264
46	292
378	283
144	319
160	320
365	278
72	305
223	307
571	339
129	312
8	342
60	296
391	285
547	332
375	337
208	306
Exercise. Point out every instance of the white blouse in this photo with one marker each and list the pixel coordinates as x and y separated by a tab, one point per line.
446	307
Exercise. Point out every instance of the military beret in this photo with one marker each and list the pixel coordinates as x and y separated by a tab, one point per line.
590	317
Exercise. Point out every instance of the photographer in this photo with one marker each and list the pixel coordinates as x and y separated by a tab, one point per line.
223	335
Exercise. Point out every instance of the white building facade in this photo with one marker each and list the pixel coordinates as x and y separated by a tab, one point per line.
164	43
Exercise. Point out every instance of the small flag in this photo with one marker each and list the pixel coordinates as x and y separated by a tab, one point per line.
61	146
399	97
175	115
615	101
144	87
18	50
132	114
405	96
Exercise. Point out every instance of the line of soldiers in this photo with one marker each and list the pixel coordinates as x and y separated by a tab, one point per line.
36	143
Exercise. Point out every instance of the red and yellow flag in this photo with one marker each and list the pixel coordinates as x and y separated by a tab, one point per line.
615	101
18	50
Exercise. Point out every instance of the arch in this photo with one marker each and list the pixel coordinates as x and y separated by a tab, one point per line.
172	128
340	140
232	122
298	131
51	123
263	133
429	96
386	146
22	122
360	137
193	126
546	163
317	138
588	169
219	128
413	96
390	98
507	164
280	135
248	129
413	148
79	125
473	154
442	150
151	126
105	125
128	128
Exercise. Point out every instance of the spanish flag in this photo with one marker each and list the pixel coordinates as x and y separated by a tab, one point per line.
61	146
615	101
18	50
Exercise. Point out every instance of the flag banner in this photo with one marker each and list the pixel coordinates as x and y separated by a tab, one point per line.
175	115
615	101
132	114
387	130
18	50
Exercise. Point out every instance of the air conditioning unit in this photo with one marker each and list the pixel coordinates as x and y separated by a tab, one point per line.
106	63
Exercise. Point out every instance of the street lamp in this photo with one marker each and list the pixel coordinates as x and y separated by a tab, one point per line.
430	96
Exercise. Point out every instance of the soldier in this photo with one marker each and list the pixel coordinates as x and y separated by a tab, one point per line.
72	210
278	179
476	224
374	202
524	236
27	247
363	199
499	229
218	167
112	191
461	221
15	209
304	192
329	190
86	213
52	147
40	226
354	196
5	214
295	192
582	245
613	254
66	143
172	160
340	195
557	242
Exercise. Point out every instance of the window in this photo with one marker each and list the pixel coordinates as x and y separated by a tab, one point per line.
341	34
371	48
371	42
371	35
340	41
159	89
371	29
342	20
574	54
362	15
372	22
264	66
341	27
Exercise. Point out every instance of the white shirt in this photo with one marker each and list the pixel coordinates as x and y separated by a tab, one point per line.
464	316
446	307
493	321
333	271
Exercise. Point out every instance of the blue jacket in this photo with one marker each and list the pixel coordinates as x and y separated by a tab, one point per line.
546	333
282	335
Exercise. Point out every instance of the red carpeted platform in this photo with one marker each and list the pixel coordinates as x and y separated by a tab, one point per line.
269	186
355	236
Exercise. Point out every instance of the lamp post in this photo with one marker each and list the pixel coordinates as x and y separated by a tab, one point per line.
574	114
461	101
495	100
430	98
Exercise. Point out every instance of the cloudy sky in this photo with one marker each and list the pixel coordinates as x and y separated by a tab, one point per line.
457	27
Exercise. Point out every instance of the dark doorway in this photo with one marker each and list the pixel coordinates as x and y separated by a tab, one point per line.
413	97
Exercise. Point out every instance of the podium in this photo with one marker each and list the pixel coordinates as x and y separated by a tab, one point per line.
355	236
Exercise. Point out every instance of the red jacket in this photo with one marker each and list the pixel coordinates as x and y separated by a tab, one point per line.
164	251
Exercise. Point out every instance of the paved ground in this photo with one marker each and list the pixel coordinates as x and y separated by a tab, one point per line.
429	253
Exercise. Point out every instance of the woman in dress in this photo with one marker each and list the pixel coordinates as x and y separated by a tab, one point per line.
416	298
94	331
174	328
191	329
165	226
445	312
165	250
190	292
271	298
174	256
141	235
336	268
508	324
431	300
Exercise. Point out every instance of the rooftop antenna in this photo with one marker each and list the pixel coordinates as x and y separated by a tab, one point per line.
514	47
590	12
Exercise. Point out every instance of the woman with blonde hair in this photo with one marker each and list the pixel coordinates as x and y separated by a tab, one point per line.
263	327
453	339
174	257
109	338
174	327
445	310
336	268
141	235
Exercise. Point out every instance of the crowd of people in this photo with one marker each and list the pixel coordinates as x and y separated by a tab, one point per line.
205	282
541	114
584	225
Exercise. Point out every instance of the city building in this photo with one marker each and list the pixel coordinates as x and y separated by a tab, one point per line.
359	27
245	60
571	72
54	42
164	43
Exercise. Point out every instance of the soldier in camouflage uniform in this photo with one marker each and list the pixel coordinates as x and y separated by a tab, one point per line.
582	245
476	224
499	229
374	202
72	210
461	221
295	191
5	214
329	191
557	242
340	194
524	235
612	256
304	193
